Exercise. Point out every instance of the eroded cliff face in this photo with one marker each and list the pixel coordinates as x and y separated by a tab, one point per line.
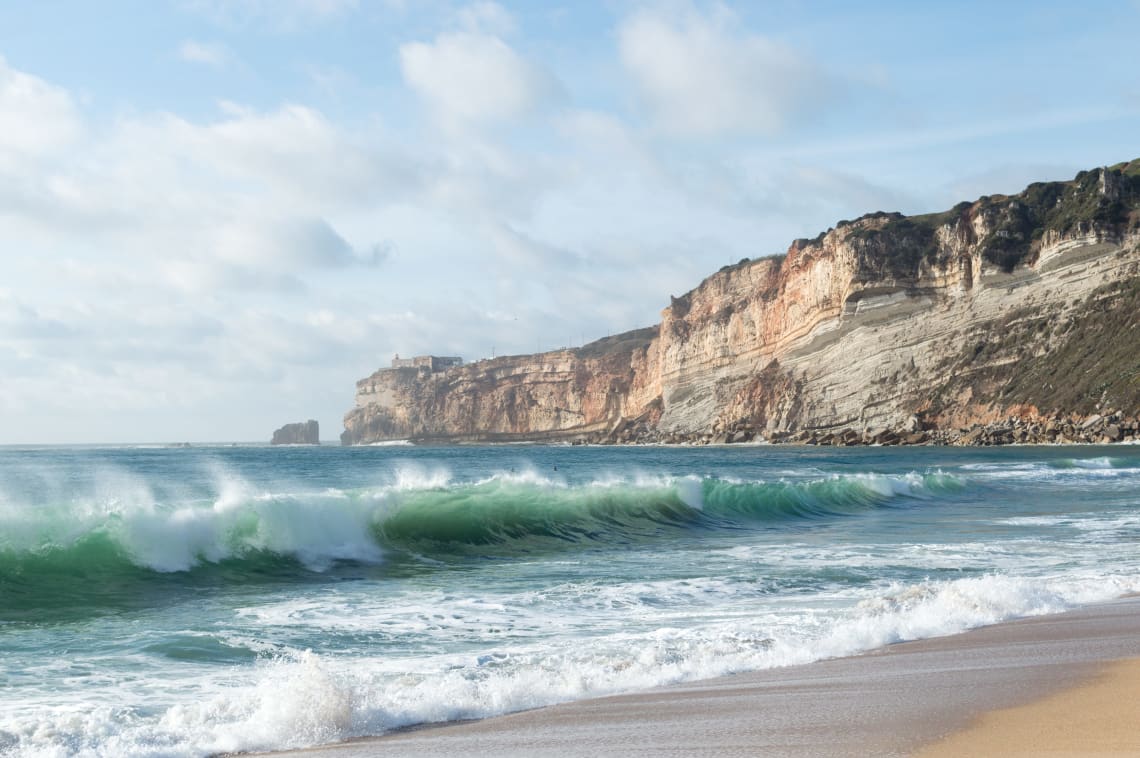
589	392
883	322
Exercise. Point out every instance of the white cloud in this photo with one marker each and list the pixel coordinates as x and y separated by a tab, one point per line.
700	76
35	116
210	54
474	78
284	243
294	151
180	209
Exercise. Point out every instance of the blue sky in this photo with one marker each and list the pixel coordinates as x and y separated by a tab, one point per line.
216	215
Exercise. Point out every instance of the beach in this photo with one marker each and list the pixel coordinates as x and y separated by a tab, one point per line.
1098	717
1061	684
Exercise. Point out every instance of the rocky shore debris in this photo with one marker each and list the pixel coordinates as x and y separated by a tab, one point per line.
1102	429
1096	429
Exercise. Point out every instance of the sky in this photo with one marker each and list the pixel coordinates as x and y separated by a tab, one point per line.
217	215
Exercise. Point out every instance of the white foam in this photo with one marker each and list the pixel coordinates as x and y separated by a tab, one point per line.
531	675
315	527
409	475
689	490
623	637
528	475
1094	463
294	701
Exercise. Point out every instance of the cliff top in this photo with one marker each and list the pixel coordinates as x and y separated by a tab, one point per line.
1107	199
626	341
895	245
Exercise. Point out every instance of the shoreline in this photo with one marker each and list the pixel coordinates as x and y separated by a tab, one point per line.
889	701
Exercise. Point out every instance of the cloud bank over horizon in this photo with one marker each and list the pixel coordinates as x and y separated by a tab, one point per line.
216	215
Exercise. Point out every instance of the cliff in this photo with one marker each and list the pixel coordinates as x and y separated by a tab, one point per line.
564	393
307	433
1010	307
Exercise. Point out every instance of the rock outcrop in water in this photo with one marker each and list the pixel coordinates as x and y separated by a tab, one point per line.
1007	319
306	433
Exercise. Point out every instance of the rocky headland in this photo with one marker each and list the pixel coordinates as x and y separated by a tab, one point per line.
300	433
1007	319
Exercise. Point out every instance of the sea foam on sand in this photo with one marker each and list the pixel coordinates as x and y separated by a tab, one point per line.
892	700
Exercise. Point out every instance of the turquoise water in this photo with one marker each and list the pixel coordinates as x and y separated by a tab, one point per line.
183	602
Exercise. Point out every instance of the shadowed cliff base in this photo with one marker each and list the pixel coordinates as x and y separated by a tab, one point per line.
1011	319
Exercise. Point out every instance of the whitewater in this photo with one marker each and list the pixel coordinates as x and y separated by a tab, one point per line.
193	601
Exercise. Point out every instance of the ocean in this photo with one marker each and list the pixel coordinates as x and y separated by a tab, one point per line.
173	601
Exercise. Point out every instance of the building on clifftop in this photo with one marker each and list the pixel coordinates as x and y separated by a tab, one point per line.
432	363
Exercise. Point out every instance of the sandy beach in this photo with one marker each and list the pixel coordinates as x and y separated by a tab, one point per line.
1098	717
1058	685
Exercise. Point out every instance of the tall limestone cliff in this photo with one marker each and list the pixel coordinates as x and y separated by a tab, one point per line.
566	393
1026	306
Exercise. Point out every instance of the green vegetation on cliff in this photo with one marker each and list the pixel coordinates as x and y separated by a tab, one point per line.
1095	365
625	342
1083	361
1107	200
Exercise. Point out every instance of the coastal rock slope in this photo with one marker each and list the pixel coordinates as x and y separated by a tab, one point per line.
1022	308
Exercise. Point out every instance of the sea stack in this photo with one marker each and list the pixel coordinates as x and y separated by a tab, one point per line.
300	433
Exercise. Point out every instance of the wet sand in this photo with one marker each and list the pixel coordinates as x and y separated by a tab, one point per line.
892	701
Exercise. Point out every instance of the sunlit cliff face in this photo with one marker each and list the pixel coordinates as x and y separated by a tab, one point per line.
875	321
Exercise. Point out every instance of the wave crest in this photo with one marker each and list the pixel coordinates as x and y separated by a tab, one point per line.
422	511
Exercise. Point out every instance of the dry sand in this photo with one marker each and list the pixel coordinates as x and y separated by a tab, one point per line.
891	701
1101	717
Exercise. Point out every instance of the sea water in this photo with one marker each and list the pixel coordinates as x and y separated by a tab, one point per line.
190	601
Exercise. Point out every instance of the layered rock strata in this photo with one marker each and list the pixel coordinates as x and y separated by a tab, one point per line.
1019	311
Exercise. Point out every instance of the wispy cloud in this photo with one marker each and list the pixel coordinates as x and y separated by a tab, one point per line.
699	75
486	18
473	77
210	54
967	131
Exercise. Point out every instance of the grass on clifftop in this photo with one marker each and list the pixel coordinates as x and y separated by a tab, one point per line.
1017	222
625	342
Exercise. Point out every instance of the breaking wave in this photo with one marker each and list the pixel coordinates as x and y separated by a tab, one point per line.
130	536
